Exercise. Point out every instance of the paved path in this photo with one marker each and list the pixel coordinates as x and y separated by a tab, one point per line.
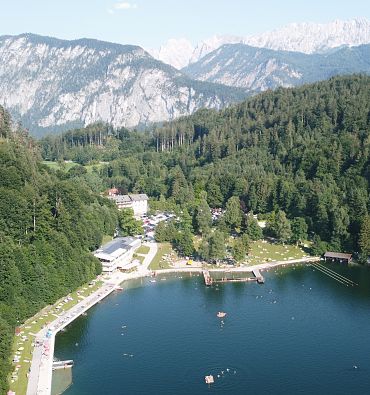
39	381
153	248
243	269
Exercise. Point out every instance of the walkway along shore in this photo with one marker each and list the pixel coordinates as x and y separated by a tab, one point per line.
239	269
39	381
40	378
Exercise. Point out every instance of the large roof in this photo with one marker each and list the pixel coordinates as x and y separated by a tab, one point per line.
139	196
129	198
337	255
116	247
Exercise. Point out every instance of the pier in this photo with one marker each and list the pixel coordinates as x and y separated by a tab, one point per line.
257	274
234	280
207	278
62	364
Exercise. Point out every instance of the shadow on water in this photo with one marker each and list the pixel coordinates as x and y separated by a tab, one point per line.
61	381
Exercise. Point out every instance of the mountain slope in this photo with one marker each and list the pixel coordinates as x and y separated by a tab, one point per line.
260	69
303	150
300	37
48	82
314	37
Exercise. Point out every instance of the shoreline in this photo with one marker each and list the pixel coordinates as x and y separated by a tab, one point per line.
41	369
239	269
40	378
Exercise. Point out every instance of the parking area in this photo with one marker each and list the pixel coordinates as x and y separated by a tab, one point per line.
151	221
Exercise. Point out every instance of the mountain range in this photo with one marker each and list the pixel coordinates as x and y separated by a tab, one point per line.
52	84
298	37
259	69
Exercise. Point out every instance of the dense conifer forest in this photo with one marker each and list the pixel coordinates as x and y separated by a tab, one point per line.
299	158
301	151
49	223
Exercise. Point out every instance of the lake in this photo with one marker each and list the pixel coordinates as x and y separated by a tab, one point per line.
299	333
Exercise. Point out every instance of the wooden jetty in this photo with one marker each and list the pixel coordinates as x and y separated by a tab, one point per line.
257	274
207	278
62	364
234	280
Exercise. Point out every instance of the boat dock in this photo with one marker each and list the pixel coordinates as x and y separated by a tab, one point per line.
257	274
234	280
207	278
62	364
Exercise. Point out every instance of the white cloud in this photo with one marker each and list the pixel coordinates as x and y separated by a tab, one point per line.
124	6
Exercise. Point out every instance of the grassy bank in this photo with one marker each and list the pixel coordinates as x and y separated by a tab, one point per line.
142	250
22	344
264	251
160	261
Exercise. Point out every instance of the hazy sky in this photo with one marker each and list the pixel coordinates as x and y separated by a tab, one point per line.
149	23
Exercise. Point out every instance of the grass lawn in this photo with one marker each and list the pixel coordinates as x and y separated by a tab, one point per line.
139	258
159	261
142	250
97	166
69	165
56	165
263	251
34	325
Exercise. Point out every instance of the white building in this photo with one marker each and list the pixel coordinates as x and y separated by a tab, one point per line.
138	202
117	254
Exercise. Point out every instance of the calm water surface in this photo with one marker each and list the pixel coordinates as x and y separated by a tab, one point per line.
299	333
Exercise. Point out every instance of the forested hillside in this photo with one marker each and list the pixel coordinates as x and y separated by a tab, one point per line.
49	223
304	151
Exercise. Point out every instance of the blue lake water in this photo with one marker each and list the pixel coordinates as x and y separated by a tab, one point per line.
299	333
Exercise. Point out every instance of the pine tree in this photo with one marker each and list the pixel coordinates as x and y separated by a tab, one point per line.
233	213
203	217
364	238
253	230
299	230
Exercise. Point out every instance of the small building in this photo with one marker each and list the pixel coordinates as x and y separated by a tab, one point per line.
118	253
113	191
338	257
137	202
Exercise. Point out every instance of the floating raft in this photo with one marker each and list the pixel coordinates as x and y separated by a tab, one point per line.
209	379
